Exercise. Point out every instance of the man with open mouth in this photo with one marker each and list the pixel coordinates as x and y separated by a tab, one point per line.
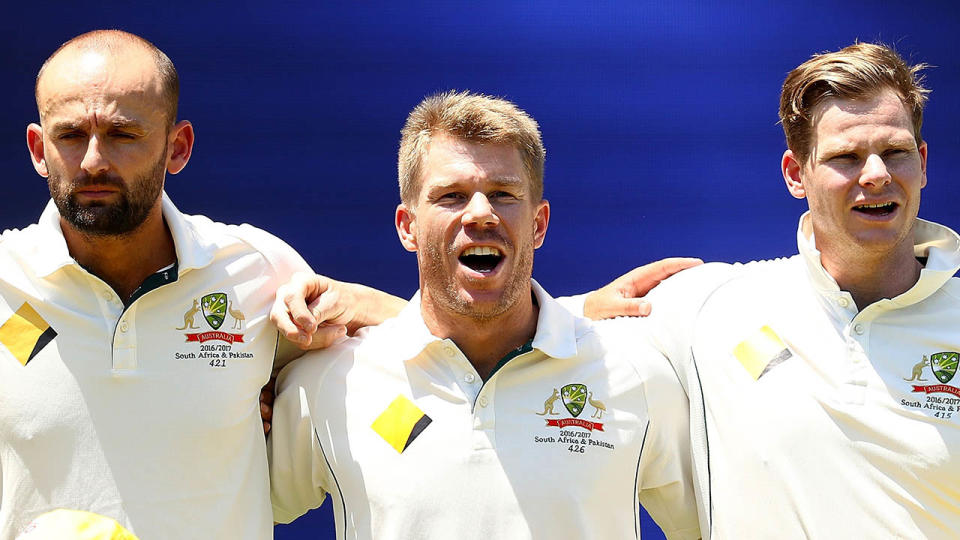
485	409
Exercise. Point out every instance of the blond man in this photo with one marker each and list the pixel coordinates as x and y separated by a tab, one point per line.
823	391
484	410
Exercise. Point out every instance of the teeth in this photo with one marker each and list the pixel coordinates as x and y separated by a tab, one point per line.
482	251
877	205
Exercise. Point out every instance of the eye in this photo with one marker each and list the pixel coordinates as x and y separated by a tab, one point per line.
895	152
849	156
122	135
502	195
450	196
69	135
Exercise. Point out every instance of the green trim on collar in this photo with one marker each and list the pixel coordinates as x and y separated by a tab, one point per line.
525	348
154	281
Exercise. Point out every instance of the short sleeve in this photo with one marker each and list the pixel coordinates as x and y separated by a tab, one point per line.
299	475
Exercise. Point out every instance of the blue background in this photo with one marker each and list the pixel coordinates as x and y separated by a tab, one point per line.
659	118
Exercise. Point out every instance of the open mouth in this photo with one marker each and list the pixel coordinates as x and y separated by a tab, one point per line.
481	259
879	209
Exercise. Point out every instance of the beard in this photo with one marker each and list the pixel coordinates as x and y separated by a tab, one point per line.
117	218
446	290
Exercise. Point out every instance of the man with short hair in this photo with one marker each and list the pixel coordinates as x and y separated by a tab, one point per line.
822	387
134	339
484	410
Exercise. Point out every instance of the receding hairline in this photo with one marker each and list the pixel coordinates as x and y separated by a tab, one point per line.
119	41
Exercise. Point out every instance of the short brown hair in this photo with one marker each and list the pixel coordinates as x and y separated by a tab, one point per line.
113	40
471	117
858	71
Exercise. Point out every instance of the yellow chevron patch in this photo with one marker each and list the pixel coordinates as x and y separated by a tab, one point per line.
761	351
401	423
26	333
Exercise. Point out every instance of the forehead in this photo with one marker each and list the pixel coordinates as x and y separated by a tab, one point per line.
450	159
81	82
881	115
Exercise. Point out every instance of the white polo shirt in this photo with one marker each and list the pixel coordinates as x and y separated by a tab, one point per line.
812	419
147	414
564	440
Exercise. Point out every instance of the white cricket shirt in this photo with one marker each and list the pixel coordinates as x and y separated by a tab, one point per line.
147	414
563	441
811	419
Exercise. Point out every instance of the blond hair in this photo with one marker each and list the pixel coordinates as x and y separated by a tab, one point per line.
470	117
858	71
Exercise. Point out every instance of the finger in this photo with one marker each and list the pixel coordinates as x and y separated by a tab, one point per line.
280	317
294	299
640	280
266	412
329	308
325	336
626	307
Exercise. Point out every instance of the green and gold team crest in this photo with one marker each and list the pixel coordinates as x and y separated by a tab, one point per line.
214	308
574	398
944	365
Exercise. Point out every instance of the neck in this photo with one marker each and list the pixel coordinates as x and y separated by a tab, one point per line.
870	277
124	261
486	341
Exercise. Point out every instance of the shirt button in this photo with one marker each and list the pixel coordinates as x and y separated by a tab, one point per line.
448	350
483	401
858	328
469	377
107	295
123	326
843	302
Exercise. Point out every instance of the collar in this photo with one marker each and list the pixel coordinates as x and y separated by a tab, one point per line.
555	336
52	253
940	245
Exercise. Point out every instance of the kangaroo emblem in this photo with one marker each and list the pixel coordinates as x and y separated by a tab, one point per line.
918	370
237	315
598	405
548	404
189	315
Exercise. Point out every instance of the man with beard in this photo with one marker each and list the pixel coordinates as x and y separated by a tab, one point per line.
823	387
484	410
134	339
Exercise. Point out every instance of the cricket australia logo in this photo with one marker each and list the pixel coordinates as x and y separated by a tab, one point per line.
576	435
214	307
575	398
944	367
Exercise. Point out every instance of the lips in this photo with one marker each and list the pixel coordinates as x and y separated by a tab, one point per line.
876	209
481	259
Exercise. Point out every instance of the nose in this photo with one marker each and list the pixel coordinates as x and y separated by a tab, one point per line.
874	173
93	159
480	212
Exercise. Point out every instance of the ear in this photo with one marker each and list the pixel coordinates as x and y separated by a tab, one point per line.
35	146
792	170
923	164
179	146
406	228
540	222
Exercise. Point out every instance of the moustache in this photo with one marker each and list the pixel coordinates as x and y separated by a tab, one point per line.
85	180
490	237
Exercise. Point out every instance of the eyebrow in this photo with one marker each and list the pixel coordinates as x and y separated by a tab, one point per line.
505	181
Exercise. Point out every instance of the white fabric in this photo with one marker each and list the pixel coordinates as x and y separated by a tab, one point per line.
489	465
119	414
834	441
